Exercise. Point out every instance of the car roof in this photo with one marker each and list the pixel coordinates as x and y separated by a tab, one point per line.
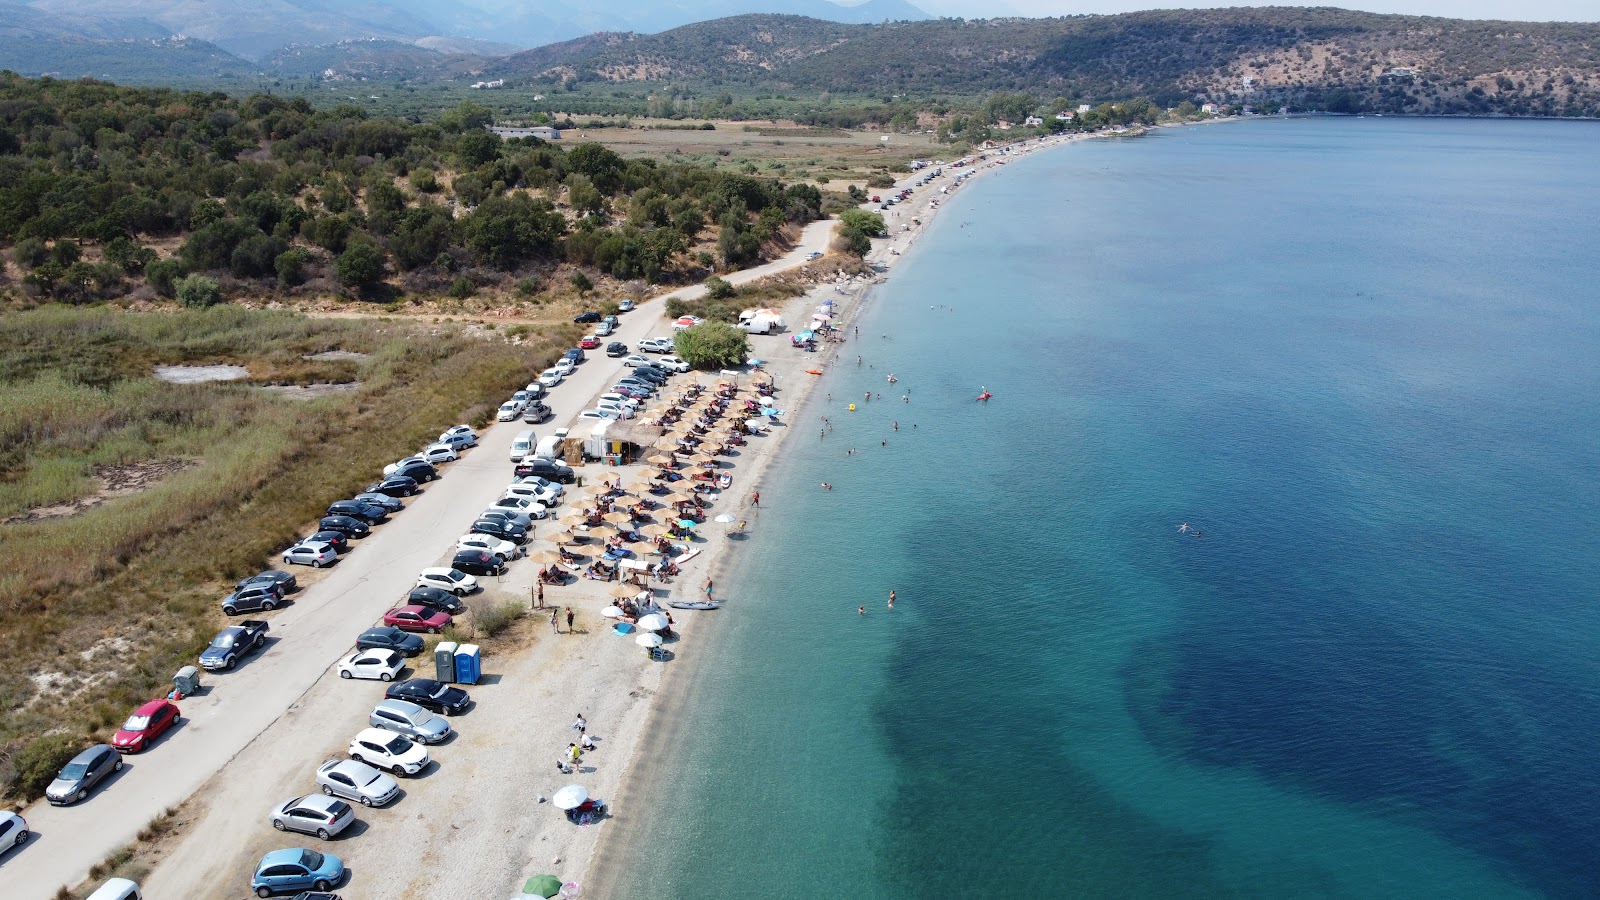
150	707
404	707
376	735
279	857
92	752
349	766
319	801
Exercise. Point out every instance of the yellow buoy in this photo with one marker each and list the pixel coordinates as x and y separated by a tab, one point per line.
852	407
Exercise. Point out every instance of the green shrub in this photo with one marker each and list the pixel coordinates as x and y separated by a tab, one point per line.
880	180
718	289
198	291
462	288
712	345
489	621
40	760
163	275
361	265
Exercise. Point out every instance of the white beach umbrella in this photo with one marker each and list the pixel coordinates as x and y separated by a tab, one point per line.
647	639
724	518
653	622
611	612
570	797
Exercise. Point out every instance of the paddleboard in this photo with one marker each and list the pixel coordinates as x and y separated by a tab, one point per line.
695	604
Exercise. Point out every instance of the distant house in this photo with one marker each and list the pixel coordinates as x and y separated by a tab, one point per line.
498	82
1084	107
1403	72
543	132
1064	117
1210	109
1032	122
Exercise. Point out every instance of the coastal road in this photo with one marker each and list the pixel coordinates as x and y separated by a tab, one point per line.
310	635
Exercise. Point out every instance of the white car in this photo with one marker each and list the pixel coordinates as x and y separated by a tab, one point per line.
566	366
625	306
438	453
621	399
387	750
533	509
535	492
394	467
460	435
551	377
815	254
447	579
503	549
554	487
634	359
617	409
13	830
594	415
523	397
673	364
604	329
315	554
509	411
657	345
383	665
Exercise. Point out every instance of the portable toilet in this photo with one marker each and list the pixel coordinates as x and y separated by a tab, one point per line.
444	661
186	683
469	663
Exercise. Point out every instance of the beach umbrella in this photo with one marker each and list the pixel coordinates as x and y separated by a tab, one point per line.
545	557
571	890
667	442
602	531
612	612
681	487
617	518
686	523
653	622
625	591
563	537
724	518
597	489
654	529
543	885
570	797
660	459
646	639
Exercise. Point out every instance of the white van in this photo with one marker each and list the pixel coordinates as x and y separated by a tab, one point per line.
549	448
521	445
117	889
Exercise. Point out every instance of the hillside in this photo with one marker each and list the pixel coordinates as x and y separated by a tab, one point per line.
1323	58
373	58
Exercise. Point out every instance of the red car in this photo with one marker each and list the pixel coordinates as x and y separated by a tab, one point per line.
147	723
589	342
417	618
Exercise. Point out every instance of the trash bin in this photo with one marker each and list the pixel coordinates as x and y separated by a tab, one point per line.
444	661
469	663
186	683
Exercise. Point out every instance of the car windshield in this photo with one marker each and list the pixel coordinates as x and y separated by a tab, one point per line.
397	746
453	575
223	641
311	859
136	723
74	771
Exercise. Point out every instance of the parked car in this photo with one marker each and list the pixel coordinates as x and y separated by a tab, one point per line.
418	618
147	723
533	491
635	360
509	411
657	345
346	524
458	433
505	551
287	871
673	364
589	342
610	320
545	468
409	720
625	306
624	399
551	486
434	598
80	775
524	396
533	509
387	750
536	412
616	409
535	390
355	780
13	830
380	665
259	596
586	317
431	695
285	581
551	377
631	390
232	643
566	365
395	467
616	348
370	513
497	529
577	355
604	329
651	372
373	498
384	637
395	486
420	471
458	583
497	513
598	414
338	540
440	453
315	814
636	383
815	254
477	562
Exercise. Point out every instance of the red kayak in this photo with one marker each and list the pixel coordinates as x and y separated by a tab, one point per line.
985	395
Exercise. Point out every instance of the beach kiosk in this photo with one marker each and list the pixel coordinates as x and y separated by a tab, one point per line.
469	664
444	661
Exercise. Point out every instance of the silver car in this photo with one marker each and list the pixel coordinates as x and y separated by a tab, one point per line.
355	780
78	777
313	814
406	718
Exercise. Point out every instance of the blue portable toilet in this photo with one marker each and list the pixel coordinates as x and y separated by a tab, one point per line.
444	661
469	663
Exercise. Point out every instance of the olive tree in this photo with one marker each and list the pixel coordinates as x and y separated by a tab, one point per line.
712	345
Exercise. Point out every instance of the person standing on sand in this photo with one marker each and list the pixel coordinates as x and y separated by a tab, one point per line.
580	724
755	499
538	594
555	624
708	589
569	620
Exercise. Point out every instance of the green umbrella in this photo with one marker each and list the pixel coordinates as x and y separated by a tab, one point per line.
543	886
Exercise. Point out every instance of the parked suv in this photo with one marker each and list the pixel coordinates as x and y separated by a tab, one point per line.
371	513
409	720
544	468
255	596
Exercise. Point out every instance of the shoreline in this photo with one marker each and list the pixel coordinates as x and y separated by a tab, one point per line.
662	718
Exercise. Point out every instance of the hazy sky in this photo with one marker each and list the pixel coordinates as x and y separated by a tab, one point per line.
1518	10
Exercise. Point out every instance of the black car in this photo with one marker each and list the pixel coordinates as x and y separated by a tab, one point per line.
389	504
585	318
338	540
505	531
616	348
370	513
418	471
576	354
435	598
477	562
388	637
395	486
346	524
544	468
659	376
430	695
536	412
284	580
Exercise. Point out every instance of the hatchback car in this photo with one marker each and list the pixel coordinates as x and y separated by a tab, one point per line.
395	486
604	329
589	342
372	665
440	453
535	390
477	562
13	830
635	360
147	723
409	720
566	365
394	468
338	540
625	306
536	412
433	598
284	580
374	498
288	871
509	411
80	775
420	470
315	814
459	432
384	637
610	320
458	583
355	780
370	513
616	348
387	750
551	377
505	551
315	554
347	524
419	618
500	529
430	695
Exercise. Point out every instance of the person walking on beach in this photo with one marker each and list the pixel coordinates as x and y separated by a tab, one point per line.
569	620
555	624
580	725
755	499
708	589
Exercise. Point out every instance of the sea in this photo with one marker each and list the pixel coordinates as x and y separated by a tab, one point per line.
1360	360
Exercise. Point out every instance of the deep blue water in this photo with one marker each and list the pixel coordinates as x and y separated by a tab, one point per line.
1363	358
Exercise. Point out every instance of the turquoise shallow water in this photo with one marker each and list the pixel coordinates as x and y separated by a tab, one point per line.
1363	357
